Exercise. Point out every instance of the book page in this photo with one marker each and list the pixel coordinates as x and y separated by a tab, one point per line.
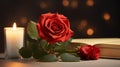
109	47
93	41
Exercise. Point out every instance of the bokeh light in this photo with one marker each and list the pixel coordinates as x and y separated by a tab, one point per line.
90	2
106	16
23	20
43	5
90	31
65	3
74	4
82	24
15	64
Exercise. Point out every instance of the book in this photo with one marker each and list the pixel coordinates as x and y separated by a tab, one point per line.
109	47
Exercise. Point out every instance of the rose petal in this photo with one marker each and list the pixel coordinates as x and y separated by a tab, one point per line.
54	28
89	52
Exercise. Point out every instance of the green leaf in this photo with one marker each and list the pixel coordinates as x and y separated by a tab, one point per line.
32	44
37	54
67	42
66	57
32	30
25	52
49	58
44	44
60	47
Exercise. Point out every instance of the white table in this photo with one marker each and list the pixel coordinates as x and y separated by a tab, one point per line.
92	63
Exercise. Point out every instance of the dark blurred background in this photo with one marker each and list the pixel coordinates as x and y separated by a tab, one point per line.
88	18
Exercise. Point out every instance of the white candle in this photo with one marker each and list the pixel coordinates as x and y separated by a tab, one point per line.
14	39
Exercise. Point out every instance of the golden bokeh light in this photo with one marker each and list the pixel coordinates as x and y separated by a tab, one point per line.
106	16
43	5
74	4
90	31
65	3
90	2
15	64
83	24
23	20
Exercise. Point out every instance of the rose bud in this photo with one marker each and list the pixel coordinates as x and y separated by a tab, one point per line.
89	52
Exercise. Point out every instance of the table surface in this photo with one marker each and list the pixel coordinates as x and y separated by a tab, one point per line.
31	63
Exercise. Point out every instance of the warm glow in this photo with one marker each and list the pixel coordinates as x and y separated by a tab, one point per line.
83	24
106	16
74	4
65	3
90	32
14	26
43	5
90	2
15	64
23	20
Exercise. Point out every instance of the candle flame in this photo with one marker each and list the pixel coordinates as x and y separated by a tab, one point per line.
14	26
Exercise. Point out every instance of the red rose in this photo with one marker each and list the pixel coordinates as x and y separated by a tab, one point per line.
89	52
54	28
